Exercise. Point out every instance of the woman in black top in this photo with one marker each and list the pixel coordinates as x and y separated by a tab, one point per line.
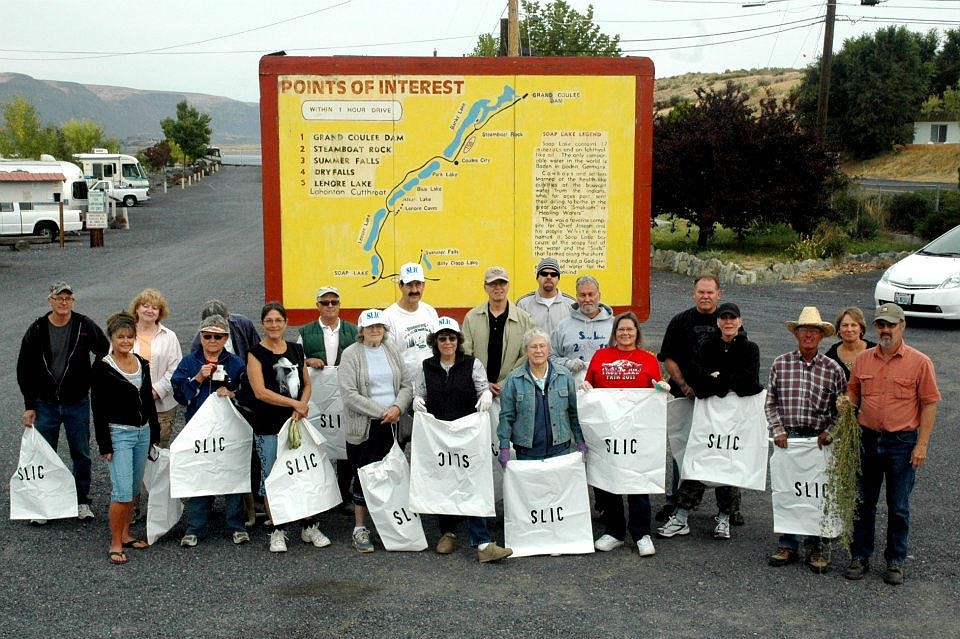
126	424
278	375
851	327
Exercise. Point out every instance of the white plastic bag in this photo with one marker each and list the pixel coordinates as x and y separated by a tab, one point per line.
326	410
679	416
163	511
211	455
625	431
728	442
798	478
42	487
450	471
386	489
546	508
302	482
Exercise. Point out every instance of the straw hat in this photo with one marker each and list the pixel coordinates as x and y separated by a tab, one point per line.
810	316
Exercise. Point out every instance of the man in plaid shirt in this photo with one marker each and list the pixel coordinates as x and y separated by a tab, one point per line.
801	402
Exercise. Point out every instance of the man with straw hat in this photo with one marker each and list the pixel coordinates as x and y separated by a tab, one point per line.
801	402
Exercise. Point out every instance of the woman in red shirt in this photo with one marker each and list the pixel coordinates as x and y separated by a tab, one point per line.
624	364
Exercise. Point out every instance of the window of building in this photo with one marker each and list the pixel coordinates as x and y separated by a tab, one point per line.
938	133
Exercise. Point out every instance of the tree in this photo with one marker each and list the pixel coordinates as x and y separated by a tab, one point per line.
191	131
22	134
80	136
158	156
877	85
556	29
717	162
946	66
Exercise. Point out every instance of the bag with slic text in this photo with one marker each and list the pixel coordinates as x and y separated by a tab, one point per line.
386	489
163	511
546	508
679	416
302	482
211	455
798	479
326	410
450	470
625	431
42	487
728	442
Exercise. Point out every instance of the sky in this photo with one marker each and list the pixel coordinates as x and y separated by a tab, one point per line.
213	46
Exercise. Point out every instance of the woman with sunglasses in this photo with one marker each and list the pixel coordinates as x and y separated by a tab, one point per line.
454	385
210	369
281	384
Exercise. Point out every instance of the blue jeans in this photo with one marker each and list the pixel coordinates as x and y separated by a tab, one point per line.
75	417
555	451
266	446
884	456
198	511
792	542
130	448
638	510
477	531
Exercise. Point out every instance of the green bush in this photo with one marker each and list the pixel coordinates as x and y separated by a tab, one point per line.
937	223
906	210
864	227
827	241
846	207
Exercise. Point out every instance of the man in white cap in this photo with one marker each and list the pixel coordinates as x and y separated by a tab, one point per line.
801	402
493	332
895	387
410	319
548	305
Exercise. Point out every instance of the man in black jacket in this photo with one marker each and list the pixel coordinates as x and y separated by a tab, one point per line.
53	371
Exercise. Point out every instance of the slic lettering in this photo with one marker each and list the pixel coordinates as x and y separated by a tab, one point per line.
811	489
621	446
302	463
209	445
402	516
546	515
727	442
446	458
26	473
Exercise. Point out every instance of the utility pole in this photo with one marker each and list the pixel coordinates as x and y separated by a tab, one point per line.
826	61
513	29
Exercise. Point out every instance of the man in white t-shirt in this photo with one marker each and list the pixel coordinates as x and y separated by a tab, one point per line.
411	320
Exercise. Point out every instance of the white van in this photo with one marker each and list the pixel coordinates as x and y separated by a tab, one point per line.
72	191
119	169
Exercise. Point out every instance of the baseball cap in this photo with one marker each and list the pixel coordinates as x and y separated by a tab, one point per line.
326	290
411	272
889	313
447	324
60	287
495	273
370	317
214	324
728	308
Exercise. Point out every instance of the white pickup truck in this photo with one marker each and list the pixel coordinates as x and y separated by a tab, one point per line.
130	196
21	218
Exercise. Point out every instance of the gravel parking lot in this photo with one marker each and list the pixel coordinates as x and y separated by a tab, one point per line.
206	242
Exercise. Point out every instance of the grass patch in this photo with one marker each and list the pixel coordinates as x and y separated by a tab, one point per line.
920	163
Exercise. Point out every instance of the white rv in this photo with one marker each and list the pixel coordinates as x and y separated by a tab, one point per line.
73	188
30	204
119	169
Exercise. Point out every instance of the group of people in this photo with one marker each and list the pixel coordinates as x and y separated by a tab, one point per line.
526	360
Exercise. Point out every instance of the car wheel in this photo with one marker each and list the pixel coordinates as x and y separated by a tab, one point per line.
47	230
129	201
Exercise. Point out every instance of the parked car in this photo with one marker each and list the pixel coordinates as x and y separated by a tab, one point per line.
926	283
23	218
129	196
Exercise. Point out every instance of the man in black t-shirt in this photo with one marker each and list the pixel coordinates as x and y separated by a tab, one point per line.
682	345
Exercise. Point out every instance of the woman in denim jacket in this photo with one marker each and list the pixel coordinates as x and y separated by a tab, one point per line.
538	406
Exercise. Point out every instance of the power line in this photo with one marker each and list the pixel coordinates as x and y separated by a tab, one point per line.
710	44
722	33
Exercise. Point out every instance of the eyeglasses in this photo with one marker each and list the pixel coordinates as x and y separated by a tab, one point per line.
216	336
62	300
548	274
328	302
447	338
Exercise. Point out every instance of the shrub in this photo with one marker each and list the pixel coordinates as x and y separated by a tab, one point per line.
906	210
846	206
939	222
828	240
864	227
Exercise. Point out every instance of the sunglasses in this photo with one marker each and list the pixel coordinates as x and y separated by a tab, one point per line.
447	338
548	274
216	336
328	302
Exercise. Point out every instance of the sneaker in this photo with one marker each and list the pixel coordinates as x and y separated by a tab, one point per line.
447	544
188	541
665	513
84	512
278	540
816	562
38	522
856	569
722	529
607	543
493	552
782	557
645	547
241	537
893	575
312	535
673	527
361	540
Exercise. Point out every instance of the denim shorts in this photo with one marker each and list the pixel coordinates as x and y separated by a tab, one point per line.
130	448
267	451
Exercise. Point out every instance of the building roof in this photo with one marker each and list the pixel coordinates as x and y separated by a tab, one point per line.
24	176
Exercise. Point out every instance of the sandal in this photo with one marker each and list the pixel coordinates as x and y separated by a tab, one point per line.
138	544
118	557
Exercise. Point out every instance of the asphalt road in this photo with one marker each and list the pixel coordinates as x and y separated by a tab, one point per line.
205	242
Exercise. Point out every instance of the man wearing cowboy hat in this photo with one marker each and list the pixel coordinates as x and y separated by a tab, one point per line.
801	402
896	389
